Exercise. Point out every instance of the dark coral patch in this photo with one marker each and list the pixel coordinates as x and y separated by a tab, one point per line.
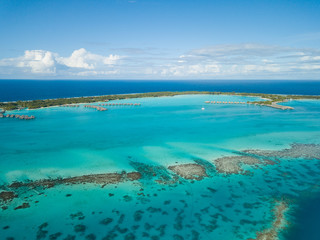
24	205
106	221
91	237
7	196
138	215
80	228
42	233
55	236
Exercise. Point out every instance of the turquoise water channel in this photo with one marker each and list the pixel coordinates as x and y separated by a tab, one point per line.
65	142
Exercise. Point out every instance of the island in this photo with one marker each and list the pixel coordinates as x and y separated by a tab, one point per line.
270	100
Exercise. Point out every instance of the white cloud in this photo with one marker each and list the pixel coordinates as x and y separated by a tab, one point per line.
310	58
246	60
81	58
195	69
257	68
48	63
96	73
309	67
37	61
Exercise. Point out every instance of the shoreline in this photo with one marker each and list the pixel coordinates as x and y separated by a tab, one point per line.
270	100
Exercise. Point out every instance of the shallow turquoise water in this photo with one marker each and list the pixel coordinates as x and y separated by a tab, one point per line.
65	142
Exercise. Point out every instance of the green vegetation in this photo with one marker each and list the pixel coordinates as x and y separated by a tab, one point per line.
33	104
271	98
274	98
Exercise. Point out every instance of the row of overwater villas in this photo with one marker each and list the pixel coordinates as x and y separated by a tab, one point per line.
70	105
103	104
224	102
22	117
120	104
95	107
86	106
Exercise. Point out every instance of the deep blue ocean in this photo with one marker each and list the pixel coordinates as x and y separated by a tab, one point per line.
12	90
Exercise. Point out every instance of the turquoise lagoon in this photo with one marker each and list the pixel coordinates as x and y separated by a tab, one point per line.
65	142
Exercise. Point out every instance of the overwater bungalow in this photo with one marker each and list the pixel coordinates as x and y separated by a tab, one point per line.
95	107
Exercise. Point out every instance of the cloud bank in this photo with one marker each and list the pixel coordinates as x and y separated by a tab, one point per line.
239	61
46	63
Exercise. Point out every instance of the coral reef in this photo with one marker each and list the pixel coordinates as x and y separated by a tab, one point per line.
104	178
278	224
233	164
189	171
296	150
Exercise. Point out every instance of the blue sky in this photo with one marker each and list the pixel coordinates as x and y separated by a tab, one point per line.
117	39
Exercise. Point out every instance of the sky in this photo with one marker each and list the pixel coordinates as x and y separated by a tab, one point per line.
160	39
